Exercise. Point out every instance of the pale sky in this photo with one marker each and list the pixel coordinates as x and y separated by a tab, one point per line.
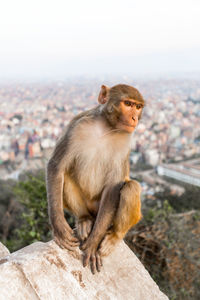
53	38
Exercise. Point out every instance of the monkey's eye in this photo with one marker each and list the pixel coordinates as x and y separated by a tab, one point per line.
138	106
127	103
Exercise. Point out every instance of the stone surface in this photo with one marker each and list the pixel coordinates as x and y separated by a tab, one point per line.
3	251
44	271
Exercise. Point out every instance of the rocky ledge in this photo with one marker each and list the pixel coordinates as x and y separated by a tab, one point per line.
44	271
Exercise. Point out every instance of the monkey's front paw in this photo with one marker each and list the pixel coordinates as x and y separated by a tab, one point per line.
65	239
108	244
92	256
84	227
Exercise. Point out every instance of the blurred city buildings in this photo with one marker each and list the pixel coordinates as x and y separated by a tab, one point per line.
33	116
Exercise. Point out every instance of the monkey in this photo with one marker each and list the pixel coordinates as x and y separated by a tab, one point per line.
88	174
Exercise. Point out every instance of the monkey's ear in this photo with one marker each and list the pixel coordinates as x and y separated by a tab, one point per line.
103	95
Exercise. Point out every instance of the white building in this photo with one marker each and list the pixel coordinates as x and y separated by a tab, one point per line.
183	172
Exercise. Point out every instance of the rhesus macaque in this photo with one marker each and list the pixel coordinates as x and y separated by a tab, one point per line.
88	174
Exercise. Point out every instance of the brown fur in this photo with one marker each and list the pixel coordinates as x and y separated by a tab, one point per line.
88	174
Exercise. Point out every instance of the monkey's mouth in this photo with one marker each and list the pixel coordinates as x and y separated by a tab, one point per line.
127	124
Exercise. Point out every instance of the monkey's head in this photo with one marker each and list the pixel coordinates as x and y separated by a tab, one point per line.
122	106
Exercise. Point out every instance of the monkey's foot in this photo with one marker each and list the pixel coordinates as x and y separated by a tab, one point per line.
84	227
108	244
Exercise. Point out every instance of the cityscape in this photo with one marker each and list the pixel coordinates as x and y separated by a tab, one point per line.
33	116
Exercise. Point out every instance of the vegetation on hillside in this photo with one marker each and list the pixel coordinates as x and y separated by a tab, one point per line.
168	245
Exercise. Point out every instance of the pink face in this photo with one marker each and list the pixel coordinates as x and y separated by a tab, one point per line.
130	112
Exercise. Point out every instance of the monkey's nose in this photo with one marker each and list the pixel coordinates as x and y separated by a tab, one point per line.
133	118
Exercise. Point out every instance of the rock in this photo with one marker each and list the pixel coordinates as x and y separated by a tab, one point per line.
44	271
3	251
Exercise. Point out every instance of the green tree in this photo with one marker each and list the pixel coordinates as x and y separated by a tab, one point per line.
31	193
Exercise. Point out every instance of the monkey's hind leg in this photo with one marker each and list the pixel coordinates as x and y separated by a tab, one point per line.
127	215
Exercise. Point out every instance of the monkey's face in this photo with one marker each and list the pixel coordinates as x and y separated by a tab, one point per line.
130	111
123	106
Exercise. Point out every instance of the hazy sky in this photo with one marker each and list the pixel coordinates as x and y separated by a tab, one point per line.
50	38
